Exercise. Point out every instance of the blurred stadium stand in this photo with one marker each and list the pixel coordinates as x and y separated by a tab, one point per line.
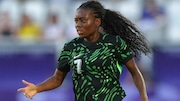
36	60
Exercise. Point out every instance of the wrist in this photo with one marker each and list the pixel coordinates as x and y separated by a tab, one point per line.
37	89
144	98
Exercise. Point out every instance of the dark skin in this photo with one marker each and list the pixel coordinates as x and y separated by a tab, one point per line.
87	27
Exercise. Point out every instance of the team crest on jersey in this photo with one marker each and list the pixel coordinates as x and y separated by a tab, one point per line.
77	56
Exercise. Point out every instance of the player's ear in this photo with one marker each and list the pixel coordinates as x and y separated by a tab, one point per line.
98	22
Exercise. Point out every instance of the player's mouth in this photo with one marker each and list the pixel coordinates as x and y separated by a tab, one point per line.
80	32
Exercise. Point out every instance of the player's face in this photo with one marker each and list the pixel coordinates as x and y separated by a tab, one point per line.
85	22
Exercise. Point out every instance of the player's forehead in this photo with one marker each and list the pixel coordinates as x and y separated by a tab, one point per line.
84	13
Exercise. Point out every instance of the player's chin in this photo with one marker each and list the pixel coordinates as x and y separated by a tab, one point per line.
81	35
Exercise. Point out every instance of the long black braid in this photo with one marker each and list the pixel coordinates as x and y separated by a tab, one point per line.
114	23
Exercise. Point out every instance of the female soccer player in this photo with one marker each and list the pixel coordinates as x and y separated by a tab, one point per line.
106	41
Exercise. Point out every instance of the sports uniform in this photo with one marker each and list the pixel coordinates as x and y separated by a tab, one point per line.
96	67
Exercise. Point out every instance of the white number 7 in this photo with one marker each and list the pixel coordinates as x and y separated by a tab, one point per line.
78	63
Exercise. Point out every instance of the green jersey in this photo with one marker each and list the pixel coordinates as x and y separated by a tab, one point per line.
96	67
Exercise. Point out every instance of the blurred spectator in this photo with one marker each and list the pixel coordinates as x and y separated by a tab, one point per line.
28	30
54	31
6	27
152	21
152	11
71	32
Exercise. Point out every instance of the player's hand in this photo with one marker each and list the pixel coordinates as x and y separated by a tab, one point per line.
29	91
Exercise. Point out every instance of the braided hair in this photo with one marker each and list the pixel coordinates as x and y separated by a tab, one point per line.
114	23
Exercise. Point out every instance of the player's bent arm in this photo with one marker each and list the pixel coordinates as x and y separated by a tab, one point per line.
138	78
52	82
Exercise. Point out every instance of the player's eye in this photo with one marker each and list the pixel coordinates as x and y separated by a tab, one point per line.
75	20
83	20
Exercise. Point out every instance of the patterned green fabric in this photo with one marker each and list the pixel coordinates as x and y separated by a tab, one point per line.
96	67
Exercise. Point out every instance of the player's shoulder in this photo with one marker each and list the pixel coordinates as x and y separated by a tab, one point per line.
71	43
75	41
110	38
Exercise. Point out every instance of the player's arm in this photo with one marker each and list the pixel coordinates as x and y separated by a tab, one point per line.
138	78
51	83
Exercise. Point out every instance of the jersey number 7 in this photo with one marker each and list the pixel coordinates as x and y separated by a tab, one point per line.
78	63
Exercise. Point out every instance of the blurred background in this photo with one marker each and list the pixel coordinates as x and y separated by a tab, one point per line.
32	34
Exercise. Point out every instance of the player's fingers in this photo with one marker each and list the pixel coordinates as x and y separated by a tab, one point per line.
26	83
26	95
20	89
31	97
